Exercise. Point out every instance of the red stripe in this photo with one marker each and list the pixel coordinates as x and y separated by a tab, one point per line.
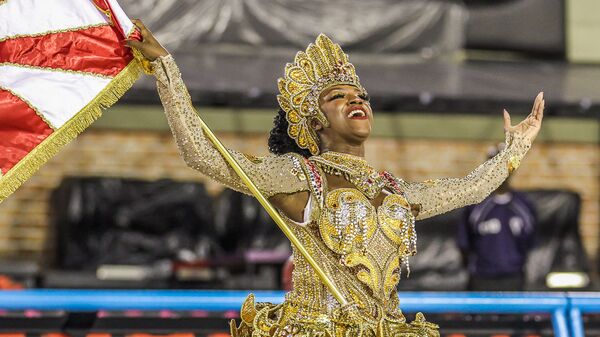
21	130
105	7
96	49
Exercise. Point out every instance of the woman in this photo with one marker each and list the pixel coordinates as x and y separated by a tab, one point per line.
356	222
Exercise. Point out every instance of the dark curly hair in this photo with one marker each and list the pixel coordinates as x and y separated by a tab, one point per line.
279	140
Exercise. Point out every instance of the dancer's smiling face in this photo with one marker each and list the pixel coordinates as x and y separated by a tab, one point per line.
349	113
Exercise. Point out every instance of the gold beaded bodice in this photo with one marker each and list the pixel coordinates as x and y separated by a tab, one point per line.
361	247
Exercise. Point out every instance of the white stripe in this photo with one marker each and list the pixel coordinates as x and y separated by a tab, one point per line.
57	95
122	18
30	17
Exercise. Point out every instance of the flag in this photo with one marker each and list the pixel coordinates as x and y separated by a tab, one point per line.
61	63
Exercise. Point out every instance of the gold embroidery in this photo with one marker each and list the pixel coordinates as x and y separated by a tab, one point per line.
347	222
397	222
263	321
369	275
347	227
248	311
397	327
354	169
391	276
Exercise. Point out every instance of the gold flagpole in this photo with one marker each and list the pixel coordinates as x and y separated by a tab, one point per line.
272	212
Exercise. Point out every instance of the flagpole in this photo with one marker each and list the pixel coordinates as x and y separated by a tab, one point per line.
272	212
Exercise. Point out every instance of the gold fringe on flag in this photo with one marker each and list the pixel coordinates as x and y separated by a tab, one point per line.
50	146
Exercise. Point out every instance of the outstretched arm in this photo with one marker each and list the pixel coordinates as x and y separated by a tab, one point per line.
272	174
443	195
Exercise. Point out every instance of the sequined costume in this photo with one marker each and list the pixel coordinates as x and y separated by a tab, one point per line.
361	247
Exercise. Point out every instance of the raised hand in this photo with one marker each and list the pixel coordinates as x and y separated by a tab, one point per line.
531	125
149	46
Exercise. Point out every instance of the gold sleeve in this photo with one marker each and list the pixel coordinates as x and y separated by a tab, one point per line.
443	195
272	174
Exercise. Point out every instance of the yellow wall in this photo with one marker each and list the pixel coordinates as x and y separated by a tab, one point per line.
583	30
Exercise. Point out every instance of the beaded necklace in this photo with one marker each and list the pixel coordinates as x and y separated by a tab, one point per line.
354	169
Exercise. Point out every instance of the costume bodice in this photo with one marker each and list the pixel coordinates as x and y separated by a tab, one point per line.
360	245
369	240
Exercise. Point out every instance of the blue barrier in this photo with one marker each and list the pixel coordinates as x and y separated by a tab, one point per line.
579	304
564	307
505	302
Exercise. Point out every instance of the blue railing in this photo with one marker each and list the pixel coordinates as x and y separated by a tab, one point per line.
566	309
579	304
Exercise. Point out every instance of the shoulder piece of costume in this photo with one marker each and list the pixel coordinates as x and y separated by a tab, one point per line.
316	182
393	183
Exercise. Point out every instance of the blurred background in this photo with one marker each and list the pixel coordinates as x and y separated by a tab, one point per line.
118	208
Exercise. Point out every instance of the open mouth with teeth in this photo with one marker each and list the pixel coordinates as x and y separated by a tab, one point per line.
357	114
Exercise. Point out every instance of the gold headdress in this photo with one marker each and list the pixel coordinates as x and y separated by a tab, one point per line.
323	65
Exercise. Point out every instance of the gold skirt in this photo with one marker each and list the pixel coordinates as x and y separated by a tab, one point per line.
270	320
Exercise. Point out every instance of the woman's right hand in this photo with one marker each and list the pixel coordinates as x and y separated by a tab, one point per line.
149	46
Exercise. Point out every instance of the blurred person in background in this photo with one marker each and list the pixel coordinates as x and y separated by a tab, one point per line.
495	237
357	222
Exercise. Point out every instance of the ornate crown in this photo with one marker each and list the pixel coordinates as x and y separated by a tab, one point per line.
323	65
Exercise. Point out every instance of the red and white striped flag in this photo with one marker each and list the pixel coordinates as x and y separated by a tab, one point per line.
61	62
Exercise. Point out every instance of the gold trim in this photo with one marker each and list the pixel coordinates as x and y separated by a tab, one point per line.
74	126
74	29
59	70
34	108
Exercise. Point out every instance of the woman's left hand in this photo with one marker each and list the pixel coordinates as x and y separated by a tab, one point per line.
530	126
